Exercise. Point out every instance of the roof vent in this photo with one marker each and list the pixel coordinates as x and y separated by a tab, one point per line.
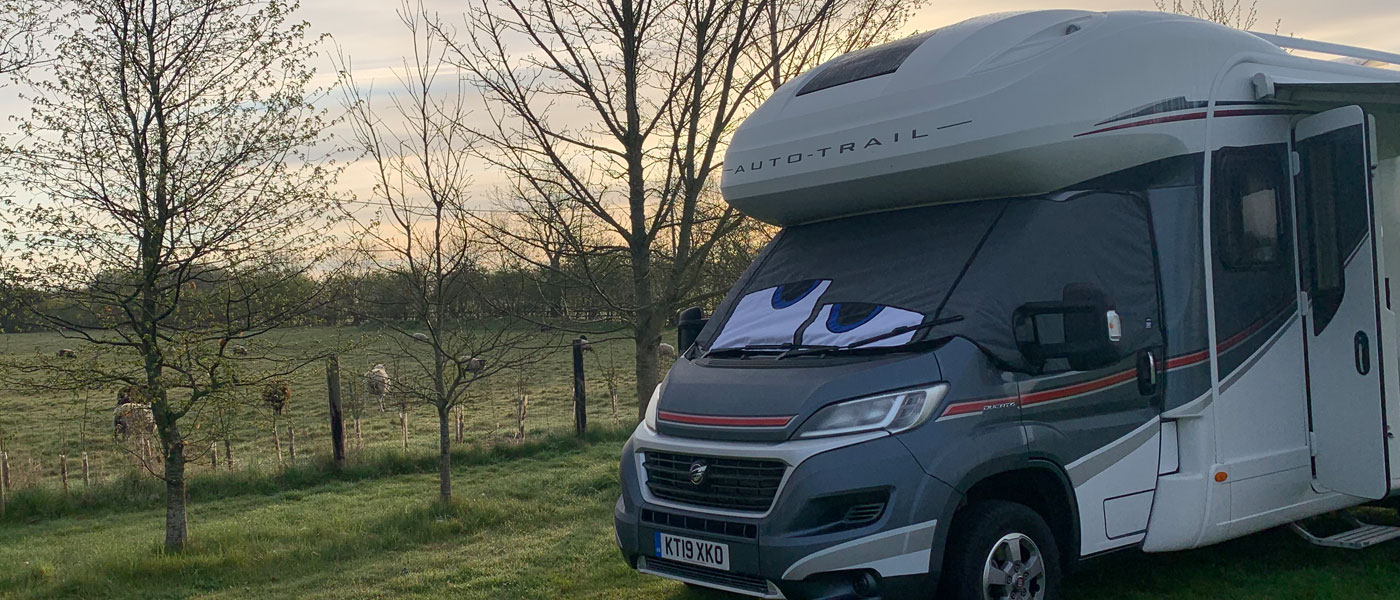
864	64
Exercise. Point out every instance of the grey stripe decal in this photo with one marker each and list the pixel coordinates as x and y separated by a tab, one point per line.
1099	460
1245	366
893	552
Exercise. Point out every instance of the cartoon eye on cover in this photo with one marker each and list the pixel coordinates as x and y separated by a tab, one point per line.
771	315
847	322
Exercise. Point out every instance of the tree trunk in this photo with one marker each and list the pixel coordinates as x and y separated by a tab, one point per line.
444	454
176	526
648	335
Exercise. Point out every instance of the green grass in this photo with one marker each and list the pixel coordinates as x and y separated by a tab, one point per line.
36	428
529	522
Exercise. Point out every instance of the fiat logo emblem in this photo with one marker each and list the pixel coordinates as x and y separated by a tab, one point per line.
697	472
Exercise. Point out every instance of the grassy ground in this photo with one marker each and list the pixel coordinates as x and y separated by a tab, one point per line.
36	429
531	522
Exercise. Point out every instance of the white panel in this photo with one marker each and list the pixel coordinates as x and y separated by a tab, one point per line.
1127	514
1135	472
888	318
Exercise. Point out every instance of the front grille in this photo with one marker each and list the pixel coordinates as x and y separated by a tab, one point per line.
736	581
738	484
700	525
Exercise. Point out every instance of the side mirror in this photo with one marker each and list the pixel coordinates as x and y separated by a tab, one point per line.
1081	328
688	327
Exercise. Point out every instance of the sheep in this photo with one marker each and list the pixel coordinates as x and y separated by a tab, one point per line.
128	395
240	350
67	353
472	364
377	382
587	345
132	418
420	336
666	351
277	395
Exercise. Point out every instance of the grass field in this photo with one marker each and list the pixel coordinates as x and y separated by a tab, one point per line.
531	522
36	429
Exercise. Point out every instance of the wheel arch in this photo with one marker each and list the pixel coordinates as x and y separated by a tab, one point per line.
1039	484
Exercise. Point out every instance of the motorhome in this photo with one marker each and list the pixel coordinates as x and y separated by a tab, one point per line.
1048	285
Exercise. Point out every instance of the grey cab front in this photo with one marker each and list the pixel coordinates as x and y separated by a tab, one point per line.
874	411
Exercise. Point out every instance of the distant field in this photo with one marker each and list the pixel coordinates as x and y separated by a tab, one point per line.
536	526
36	429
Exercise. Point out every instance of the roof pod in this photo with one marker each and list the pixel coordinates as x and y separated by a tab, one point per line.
994	106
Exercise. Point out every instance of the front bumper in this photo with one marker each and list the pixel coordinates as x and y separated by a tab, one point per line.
786	552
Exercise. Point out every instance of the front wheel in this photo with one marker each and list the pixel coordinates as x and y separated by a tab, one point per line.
1002	551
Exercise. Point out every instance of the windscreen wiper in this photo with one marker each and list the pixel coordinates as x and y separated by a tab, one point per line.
742	350
875	338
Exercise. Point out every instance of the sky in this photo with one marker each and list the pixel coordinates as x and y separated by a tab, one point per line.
369	32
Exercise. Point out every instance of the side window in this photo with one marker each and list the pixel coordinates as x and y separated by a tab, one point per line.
1332	192
1250	186
1252	253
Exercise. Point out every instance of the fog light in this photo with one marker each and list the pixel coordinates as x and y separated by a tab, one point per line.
865	586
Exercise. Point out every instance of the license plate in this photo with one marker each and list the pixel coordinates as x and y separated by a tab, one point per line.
695	552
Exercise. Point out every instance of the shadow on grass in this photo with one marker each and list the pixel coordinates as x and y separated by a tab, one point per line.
137	491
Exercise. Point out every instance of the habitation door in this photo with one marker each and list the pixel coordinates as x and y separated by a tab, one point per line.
1340	302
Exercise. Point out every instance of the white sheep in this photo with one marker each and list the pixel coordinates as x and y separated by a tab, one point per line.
67	353
377	382
132	418
666	351
472	364
587	345
240	350
420	336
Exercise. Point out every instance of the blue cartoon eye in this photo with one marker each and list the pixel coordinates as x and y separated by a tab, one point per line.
789	294
850	315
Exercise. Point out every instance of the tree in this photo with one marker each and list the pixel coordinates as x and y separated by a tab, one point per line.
619	112
22	24
1230	13
176	203
421	239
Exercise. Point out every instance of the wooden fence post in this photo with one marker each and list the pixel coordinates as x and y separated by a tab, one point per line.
521	410
580	398
87	472
403	426
4	480
460	423
228	454
337	419
291	443
214	455
63	472
359	441
277	443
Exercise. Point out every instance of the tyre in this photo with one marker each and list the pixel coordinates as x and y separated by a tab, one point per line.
1001	551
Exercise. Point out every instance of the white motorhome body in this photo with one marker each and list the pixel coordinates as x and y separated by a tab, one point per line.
1253	193
1014	105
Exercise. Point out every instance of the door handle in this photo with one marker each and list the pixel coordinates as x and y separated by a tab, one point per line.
1147	373
1363	353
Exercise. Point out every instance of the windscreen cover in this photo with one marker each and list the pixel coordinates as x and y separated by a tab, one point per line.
844	280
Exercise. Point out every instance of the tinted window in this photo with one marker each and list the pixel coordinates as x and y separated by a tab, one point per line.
1254	283
1333	197
1248	208
864	64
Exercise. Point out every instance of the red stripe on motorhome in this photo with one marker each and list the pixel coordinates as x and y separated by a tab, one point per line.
717	421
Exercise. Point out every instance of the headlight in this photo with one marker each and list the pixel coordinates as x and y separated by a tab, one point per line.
893	412
650	419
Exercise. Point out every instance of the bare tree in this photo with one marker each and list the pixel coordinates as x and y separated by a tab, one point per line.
421	236
22	24
620	111
176	208
1230	13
